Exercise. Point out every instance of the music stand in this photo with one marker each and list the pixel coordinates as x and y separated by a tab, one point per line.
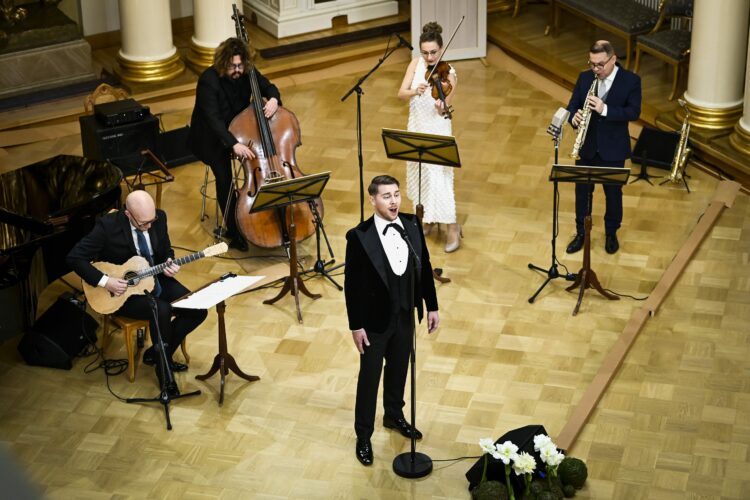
135	165
280	195
212	294
580	174
656	148
416	146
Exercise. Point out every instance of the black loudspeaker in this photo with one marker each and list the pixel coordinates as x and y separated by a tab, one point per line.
655	148
59	335
174	149
523	437
101	143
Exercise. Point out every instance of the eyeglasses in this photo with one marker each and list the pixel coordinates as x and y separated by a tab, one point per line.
235	66
143	224
600	65
430	53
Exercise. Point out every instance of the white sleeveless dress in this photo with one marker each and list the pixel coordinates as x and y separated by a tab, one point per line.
437	194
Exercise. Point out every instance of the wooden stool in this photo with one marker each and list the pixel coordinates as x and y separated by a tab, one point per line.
129	327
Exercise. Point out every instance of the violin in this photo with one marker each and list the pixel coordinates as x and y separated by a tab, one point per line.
437	77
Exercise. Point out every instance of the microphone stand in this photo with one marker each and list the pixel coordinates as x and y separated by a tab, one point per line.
166	377
552	272
412	465
358	89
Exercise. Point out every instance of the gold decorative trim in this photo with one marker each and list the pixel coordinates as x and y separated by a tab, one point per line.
199	58
710	118
150	71
740	139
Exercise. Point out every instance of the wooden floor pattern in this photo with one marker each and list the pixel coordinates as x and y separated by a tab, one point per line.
674	423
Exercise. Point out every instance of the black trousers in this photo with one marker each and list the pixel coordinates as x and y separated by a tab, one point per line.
612	194
221	167
173	331
393	345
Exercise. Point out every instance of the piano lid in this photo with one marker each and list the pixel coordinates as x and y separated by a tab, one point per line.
40	199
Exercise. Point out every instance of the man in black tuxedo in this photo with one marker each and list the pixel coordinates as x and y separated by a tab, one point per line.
117	237
223	91
607	142
382	286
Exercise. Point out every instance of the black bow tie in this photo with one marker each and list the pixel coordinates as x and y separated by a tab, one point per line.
394	226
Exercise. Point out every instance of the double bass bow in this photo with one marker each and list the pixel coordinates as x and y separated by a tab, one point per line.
273	141
437	76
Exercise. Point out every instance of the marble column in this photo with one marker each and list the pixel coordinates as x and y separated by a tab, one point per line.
213	24
740	137
147	54
718	50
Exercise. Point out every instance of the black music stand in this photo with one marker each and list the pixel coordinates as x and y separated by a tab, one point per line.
135	165
656	148
280	195
416	146
580	174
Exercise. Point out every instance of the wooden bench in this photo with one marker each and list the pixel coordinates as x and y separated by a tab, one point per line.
625	18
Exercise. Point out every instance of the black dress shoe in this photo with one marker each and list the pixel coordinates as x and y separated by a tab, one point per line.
611	245
364	451
575	244
402	426
150	360
239	243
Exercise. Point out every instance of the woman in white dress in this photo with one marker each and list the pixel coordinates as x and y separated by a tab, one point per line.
426	115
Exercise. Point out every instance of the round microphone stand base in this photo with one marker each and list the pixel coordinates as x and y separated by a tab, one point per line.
412	465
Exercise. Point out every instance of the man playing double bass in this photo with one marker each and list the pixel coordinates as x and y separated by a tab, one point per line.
223	91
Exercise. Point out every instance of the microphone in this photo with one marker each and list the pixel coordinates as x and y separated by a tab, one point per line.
555	128
402	41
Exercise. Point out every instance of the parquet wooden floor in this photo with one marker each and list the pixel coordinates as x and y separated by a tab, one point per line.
674	423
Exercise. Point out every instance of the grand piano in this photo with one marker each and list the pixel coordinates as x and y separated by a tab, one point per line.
45	208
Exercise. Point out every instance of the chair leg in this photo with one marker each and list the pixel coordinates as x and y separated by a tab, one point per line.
128	334
674	82
637	63
628	52
183	347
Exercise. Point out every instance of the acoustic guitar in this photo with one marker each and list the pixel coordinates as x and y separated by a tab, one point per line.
139	275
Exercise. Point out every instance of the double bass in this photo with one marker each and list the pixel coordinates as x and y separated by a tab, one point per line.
273	141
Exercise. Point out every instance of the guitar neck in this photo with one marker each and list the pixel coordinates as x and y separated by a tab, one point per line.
158	269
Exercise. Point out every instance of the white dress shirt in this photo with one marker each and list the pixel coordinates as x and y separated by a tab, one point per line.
393	244
607	82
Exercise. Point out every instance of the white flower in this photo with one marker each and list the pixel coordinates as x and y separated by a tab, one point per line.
507	451
487	445
524	464
541	440
549	455
555	459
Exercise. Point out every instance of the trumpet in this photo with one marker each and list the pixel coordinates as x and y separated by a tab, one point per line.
682	152
583	126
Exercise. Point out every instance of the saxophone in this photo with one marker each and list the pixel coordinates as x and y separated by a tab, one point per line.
682	152
583	126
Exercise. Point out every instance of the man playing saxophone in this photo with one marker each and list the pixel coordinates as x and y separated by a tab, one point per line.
615	102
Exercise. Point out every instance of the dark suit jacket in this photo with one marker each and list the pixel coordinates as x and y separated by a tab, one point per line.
609	136
217	101
366	284
111	240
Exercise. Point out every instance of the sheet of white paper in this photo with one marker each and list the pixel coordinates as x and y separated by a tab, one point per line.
216	292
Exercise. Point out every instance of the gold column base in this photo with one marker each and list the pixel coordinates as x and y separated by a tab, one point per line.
740	139
710	118
150	71
199	58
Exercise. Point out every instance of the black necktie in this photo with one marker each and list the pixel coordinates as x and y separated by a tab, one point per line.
143	247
